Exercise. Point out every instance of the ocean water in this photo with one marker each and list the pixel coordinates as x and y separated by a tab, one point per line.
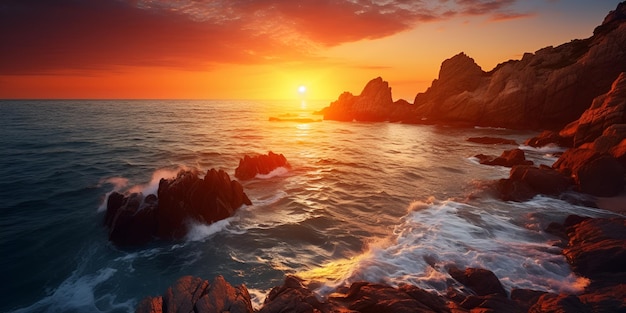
382	202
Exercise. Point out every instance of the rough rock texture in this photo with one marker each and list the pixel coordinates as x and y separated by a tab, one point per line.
606	110
544	90
195	295
249	167
508	158
373	104
547	89
597	246
598	174
135	220
526	181
548	137
483	282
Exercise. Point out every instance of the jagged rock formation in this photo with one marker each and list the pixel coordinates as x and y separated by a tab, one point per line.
547	89
193	294
135	220
374	104
249	167
544	90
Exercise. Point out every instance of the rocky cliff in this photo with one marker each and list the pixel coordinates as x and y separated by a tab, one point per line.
546	89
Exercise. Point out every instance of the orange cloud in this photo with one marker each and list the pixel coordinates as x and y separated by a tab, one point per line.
42	36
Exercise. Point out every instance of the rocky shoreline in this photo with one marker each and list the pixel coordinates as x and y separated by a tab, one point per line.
595	247
578	92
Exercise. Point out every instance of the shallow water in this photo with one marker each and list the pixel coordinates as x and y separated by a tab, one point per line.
382	202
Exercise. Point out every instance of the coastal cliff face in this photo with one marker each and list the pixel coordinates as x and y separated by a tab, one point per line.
546	89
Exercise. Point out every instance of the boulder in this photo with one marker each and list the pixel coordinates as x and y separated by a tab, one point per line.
597	246
249	167
292	296
598	174
481	281
193	294
526	181
508	158
135	220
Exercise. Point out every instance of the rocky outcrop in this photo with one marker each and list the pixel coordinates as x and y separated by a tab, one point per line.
595	173
374	104
508	158
546	89
135	220
606	110
195	295
526	181
249	167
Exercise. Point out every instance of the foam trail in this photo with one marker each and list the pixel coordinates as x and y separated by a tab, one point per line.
76	294
199	231
279	171
547	149
120	184
434	236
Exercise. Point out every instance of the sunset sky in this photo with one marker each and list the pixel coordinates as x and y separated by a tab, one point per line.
265	49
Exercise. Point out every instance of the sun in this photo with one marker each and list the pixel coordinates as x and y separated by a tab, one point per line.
302	89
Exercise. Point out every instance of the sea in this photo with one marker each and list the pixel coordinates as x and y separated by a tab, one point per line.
381	202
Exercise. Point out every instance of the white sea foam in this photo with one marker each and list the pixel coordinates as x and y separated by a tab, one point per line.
120	184
438	234
200	232
547	149
76	294
279	171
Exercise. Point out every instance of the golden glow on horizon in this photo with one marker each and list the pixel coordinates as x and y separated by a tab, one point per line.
409	59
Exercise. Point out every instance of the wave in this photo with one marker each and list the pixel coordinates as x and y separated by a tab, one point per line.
77	294
120	184
547	149
200	232
435	235
279	171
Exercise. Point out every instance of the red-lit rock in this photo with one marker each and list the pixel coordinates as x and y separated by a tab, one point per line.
249	167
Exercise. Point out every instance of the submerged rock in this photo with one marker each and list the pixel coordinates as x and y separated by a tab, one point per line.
249	167
135	220
508	158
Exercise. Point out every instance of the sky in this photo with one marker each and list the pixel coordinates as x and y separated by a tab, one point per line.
265	49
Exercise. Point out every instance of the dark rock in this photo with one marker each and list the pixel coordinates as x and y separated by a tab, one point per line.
526	181
193	294
373	104
492	141
508	158
548	137
293	296
525	298
133	220
249	167
483	282
373	298
597	246
598	174
550	302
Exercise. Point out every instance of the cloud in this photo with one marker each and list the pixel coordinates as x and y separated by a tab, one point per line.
42	36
